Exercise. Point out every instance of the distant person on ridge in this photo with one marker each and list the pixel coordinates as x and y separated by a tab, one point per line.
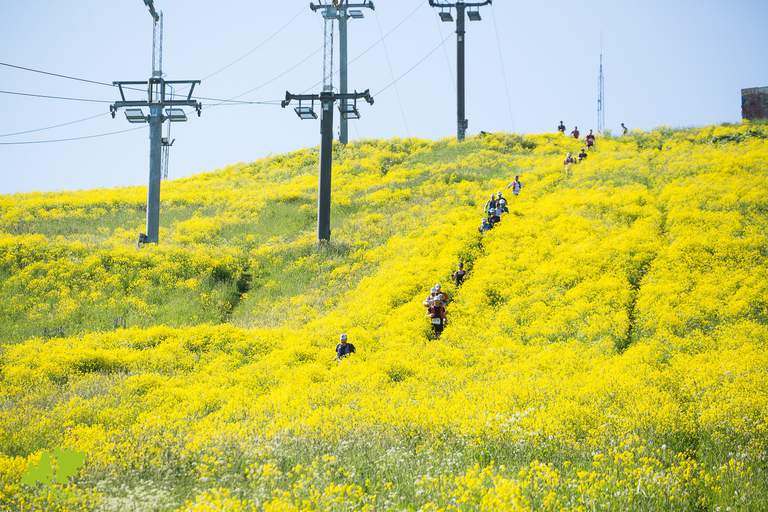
343	349
624	129
561	127
583	154
590	141
516	186
459	275
575	132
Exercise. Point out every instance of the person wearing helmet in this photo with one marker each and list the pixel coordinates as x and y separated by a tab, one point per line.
344	348
501	203
569	159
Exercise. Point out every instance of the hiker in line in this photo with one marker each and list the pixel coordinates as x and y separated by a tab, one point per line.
583	154
343	349
569	159
501	204
516	186
561	128
495	216
575	132
590	141
435	304
490	206
624	129
485	224
459	275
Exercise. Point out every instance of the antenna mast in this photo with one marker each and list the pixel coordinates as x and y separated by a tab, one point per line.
601	97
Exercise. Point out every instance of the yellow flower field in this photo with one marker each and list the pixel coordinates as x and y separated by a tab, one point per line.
606	352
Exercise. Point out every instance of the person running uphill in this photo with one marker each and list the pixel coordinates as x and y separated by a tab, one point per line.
590	141
516	186
459	275
575	132
344	349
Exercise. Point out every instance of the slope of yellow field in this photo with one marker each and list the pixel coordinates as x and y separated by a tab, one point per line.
607	350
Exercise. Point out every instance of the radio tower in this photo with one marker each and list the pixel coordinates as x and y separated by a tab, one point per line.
601	98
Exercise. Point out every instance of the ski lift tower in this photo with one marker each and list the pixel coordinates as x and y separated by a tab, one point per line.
162	107
327	98
342	11
472	11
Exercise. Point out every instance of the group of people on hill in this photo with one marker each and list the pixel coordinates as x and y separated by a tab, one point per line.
575	132
438	299
590	141
497	206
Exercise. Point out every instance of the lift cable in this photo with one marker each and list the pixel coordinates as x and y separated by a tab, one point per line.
417	64
419	5
392	75
47	141
101	114
503	71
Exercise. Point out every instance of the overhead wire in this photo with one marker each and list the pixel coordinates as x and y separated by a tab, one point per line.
258	46
417	64
47	96
357	57
102	114
392	75
451	74
503	70
82	137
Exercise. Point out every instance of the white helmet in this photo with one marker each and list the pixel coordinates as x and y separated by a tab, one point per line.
343	337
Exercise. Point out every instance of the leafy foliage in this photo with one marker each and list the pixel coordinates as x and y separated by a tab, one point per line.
607	350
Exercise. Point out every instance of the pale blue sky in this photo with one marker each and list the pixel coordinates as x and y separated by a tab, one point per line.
674	62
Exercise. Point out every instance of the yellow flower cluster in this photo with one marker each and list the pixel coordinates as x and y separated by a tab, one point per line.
606	351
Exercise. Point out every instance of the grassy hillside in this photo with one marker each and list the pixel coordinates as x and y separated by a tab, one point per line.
606	352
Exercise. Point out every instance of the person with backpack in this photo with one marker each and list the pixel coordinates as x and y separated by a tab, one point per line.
490	206
459	275
485	224
344	349
590	141
516	186
575	132
501	204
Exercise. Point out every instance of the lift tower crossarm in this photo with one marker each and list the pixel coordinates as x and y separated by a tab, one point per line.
474	15
341	11
162	107
327	100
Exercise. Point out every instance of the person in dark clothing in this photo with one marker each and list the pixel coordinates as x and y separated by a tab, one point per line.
490	206
561	127
624	129
343	349
458	276
583	154
590	141
575	132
